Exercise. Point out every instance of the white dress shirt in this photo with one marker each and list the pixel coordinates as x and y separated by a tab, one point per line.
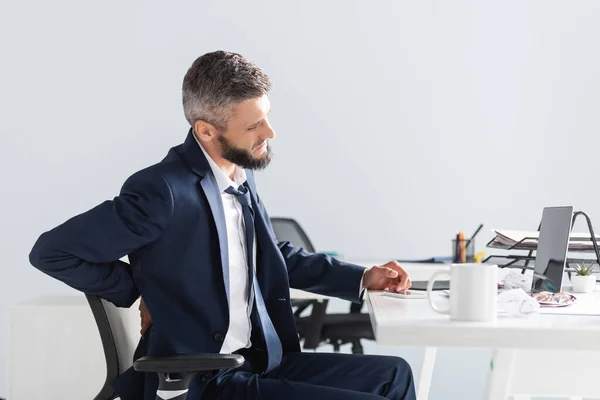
240	326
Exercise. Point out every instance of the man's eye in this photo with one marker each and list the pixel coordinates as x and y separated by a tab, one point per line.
255	126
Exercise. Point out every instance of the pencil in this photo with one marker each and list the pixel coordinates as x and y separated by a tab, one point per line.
473	235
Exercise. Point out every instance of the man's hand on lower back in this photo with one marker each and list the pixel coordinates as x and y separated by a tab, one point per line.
145	317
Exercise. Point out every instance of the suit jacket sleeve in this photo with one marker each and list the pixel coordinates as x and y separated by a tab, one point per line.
320	273
84	251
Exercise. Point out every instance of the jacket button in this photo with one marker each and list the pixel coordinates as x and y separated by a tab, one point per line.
219	337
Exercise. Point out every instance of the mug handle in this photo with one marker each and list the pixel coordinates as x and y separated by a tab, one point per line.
445	310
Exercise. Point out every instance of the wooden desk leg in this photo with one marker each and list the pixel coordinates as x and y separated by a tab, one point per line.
426	373
499	378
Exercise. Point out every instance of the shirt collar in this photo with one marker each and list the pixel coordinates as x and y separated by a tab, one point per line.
223	181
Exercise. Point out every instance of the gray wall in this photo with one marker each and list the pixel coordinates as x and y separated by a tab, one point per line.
399	122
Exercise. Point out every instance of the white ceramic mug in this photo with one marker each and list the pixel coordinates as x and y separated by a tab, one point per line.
473	292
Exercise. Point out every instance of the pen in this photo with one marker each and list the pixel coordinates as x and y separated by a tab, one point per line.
457	248
473	235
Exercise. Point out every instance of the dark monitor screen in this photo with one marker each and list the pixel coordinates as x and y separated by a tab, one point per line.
551	254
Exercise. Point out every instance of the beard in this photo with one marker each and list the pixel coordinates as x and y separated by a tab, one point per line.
244	158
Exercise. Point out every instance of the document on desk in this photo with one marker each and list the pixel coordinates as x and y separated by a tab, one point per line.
392	310
388	308
528	240
383	302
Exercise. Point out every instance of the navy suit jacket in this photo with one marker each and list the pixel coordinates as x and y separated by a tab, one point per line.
169	220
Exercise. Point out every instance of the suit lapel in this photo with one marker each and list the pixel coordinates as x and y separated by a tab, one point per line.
211	190
194	158
263	232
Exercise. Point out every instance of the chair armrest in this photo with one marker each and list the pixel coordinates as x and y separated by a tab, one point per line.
188	363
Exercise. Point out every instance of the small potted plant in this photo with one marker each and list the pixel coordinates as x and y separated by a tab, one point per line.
584	281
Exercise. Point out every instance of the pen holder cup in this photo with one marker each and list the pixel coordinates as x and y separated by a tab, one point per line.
470	251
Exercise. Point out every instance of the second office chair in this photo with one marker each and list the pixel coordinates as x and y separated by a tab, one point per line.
320	327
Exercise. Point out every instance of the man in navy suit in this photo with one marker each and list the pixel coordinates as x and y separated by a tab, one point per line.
203	256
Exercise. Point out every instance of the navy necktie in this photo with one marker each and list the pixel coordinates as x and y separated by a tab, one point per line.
274	350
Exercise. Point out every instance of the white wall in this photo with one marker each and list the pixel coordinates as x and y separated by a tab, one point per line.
399	122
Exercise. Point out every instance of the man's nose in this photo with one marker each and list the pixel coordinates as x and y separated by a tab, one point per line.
269	132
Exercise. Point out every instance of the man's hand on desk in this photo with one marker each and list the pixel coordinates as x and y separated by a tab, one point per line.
145	316
390	276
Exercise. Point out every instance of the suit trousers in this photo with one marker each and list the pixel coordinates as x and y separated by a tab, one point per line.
315	376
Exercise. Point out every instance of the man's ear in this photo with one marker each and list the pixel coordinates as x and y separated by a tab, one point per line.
204	131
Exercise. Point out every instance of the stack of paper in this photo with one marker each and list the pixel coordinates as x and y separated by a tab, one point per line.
524	240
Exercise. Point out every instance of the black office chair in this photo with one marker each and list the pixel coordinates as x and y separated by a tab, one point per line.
119	330
320	327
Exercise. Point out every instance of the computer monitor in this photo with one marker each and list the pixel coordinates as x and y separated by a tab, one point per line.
551	254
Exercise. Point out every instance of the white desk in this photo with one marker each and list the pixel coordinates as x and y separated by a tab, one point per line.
414	323
521	344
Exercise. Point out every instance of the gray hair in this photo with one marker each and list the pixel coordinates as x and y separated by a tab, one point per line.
216	82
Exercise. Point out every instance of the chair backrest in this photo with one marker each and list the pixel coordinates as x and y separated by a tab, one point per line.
290	230
119	330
